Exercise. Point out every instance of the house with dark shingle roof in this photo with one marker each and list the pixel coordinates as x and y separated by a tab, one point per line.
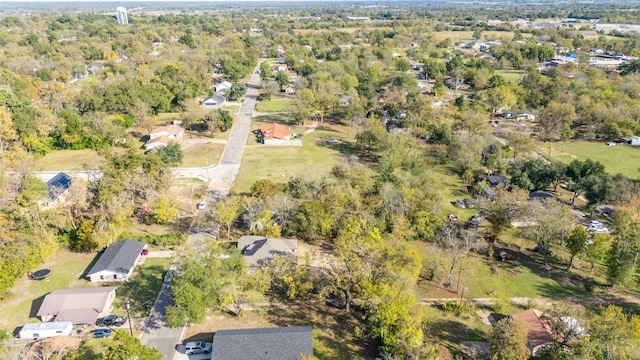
58	187
281	343
117	261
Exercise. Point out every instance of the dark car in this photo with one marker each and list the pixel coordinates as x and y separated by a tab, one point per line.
102	333
168	277
111	320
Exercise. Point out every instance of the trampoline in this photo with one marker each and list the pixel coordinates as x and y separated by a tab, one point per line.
40	274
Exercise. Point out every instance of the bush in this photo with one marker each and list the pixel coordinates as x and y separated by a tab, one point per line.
457	309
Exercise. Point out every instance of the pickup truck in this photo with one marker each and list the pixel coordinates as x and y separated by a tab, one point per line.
111	320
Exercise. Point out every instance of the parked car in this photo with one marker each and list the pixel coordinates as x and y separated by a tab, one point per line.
197	348
332	141
598	229
201	205
168	277
453	217
111	320
460	204
102	333
468	203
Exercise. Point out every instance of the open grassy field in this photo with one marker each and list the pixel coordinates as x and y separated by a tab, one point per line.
60	160
512	76
616	159
165	118
275	105
458	36
199	155
281	163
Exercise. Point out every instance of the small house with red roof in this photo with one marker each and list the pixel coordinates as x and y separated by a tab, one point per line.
539	331
274	133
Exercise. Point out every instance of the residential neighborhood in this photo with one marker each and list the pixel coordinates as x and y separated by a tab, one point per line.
319	181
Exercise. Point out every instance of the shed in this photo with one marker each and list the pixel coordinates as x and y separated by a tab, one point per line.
45	330
117	261
281	343
58	187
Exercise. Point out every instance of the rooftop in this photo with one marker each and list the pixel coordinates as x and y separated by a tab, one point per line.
282	343
119	258
82	305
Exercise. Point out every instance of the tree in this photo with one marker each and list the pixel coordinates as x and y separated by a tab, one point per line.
576	243
225	120
227	212
121	346
402	65
503	208
171	154
555	120
166	210
596	250
282	79
509	340
577	170
600	189
456	243
612	334
551	222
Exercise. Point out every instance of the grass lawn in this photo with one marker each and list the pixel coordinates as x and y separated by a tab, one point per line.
281	163
454	189
143	288
66	269
458	36
165	118
512	76
449	330
60	160
274	105
199	155
616	159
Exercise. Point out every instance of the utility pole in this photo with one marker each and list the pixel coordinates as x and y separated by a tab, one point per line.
128	304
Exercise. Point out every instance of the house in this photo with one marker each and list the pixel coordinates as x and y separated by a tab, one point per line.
223	87
78	306
289	89
58	187
174	132
158	143
455	84
281	343
259	250
495	180
539	332
213	102
278	67
274	133
118	261
45	330
281	60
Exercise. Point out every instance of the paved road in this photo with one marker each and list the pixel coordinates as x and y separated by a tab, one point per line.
156	332
221	178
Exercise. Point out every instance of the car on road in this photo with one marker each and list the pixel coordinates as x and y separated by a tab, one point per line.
101	333
201	205
168	277
198	347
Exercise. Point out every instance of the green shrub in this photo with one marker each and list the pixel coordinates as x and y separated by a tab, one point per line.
457	309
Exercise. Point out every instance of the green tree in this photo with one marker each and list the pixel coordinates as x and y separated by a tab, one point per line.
227	212
225	119
509	340
313	219
402	65
121	346
165	210
282	79
503	208
171	154
612	334
577	170
576	243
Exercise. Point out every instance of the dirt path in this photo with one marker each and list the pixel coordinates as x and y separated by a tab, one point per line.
617	299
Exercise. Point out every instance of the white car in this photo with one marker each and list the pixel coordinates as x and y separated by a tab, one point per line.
197	348
201	205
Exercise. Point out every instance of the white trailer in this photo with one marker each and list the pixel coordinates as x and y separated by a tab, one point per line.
45	330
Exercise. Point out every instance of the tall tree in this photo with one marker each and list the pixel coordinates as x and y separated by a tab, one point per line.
576	243
509	340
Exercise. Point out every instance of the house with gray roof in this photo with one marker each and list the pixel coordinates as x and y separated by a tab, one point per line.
78	306
118	261
259	250
281	343
57	187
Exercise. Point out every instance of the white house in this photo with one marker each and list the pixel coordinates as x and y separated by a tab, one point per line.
223	87
45	330
118	261
164	135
